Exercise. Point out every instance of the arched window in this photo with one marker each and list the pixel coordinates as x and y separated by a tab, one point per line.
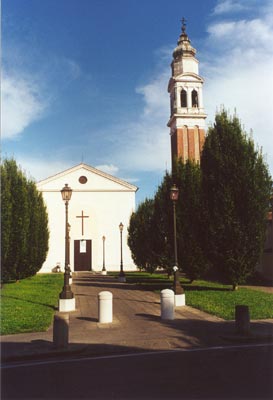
194	98
183	98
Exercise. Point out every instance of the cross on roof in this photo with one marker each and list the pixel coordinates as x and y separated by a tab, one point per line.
183	20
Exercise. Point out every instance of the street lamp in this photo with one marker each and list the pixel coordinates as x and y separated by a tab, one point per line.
174	193
67	300
68	227
103	252
121	276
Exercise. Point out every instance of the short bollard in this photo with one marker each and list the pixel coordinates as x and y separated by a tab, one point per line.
167	304
61	330
242	320
105	307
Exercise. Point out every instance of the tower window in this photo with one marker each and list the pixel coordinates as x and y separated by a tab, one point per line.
183	98
194	98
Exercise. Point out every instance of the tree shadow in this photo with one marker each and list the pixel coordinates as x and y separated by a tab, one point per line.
88	319
136	301
205	288
124	285
29	301
145	284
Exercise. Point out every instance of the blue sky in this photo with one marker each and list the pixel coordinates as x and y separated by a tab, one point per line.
86	80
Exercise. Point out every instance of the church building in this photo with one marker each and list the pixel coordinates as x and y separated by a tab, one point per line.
99	203
187	120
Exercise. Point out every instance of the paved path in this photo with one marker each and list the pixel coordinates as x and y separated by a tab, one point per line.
136	326
266	289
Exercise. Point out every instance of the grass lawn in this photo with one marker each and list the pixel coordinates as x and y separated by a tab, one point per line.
29	305
211	297
222	302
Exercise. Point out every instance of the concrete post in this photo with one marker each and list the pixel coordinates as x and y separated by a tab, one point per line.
167	304
61	330
105	307
242	320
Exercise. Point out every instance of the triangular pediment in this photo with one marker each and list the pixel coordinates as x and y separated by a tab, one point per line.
189	76
185	77
83	177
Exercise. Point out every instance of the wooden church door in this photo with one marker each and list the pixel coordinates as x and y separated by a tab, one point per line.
82	255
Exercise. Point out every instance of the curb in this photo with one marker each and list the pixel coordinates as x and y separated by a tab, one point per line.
65	353
85	350
248	338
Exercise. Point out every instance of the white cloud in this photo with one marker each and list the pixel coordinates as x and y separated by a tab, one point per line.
147	145
21	104
155	103
244	34
130	180
108	168
38	168
227	6
240	76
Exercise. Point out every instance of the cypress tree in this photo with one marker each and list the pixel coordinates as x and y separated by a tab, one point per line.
140	236
235	191
24	224
192	260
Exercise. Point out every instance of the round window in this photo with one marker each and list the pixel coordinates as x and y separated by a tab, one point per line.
82	179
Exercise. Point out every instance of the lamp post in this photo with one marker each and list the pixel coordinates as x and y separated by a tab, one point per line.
67	301
121	276
174	194
103	256
68	260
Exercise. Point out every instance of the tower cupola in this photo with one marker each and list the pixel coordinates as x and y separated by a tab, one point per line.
184	47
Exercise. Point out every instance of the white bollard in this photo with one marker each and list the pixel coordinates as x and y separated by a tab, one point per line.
105	307
179	300
167	304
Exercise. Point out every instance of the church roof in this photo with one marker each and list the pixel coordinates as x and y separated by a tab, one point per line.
94	179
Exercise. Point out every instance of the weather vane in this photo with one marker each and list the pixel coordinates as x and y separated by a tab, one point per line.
183	20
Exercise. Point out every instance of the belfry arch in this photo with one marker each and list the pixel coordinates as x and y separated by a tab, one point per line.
194	98
183	98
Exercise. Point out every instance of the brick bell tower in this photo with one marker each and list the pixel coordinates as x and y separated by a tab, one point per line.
187	120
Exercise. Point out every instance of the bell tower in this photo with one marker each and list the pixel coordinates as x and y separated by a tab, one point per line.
187	120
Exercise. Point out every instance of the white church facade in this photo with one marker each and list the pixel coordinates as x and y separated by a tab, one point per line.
99	203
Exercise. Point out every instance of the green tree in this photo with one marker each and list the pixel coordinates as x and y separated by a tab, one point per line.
235	191
151	231
192	260
24	224
140	236
163	225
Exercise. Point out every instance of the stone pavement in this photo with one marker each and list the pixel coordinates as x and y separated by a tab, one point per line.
136	326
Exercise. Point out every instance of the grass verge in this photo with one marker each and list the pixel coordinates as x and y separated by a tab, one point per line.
211	297
222	302
28	306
